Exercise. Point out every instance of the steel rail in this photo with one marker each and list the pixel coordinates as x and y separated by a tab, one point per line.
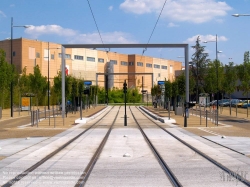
224	168
84	177
173	179
39	163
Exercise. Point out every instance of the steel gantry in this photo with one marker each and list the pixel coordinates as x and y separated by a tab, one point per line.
109	46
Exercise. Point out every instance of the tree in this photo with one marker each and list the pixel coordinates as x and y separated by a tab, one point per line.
211	77
243	72
38	85
230	80
199	65
6	76
175	92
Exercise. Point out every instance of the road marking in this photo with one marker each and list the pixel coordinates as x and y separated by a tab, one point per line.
211	132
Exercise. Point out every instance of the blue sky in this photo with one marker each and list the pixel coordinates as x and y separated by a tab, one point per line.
132	21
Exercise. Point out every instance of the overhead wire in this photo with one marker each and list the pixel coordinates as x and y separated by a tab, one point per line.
154	27
97	28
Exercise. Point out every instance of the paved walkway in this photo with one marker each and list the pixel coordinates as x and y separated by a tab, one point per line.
20	127
234	135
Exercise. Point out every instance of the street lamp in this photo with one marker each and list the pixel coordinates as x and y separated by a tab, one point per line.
217	76
238	15
48	74
11	61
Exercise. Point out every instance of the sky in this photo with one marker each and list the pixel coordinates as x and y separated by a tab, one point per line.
134	21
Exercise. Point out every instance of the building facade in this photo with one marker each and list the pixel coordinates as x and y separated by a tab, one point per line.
86	63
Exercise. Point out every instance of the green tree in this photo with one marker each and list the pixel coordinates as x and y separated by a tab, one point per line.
230	80
6	76
243	71
38	85
175	92
199	65
211	77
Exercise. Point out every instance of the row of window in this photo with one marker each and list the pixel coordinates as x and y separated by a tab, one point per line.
101	60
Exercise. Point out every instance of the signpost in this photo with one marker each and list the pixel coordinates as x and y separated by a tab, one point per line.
125	94
87	85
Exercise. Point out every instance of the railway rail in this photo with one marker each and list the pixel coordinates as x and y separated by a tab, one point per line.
216	163
49	156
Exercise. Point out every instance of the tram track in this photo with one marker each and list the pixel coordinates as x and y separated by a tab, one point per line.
173	179
84	177
211	160
19	177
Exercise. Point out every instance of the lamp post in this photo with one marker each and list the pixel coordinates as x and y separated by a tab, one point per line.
11	61
238	15
217	75
48	74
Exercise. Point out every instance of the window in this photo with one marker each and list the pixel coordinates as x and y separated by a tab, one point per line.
171	69
131	63
37	55
77	57
124	63
157	66
101	60
91	59
67	56
32	53
52	56
164	67
139	64
113	62
149	65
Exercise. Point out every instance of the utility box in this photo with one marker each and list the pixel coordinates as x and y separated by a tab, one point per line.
204	99
179	111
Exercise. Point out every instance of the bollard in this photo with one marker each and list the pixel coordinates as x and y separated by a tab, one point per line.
215	117
31	119
37	117
206	118
54	116
200	115
49	117
236	110
38	112
0	112
45	112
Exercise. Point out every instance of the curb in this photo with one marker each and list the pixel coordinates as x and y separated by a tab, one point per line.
161	119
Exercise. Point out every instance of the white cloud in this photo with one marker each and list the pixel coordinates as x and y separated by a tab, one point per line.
196	11
72	36
2	14
110	8
203	38
35	31
110	37
12	5
172	25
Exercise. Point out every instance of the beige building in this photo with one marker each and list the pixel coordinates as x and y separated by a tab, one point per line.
85	63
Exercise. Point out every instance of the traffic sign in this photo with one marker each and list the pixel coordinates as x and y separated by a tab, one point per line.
161	82
88	83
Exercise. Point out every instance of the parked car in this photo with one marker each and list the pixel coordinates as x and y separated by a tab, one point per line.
224	102
214	102
239	105
245	105
234	102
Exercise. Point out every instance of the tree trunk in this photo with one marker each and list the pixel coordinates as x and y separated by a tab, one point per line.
230	104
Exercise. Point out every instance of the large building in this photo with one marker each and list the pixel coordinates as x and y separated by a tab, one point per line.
86	63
